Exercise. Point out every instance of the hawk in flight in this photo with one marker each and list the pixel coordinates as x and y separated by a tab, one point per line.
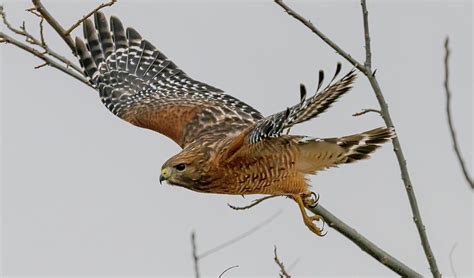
228	147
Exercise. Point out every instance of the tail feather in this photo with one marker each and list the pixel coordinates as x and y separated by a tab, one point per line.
86	61
93	42
359	146
105	36
319	154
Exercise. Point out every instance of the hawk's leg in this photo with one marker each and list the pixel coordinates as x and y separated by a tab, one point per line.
308	220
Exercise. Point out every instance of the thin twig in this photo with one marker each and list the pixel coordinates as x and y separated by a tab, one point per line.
45	58
368	53
388	121
34	41
227	269
293	264
9	26
194	254
33	11
365	111
197	258
451	263
254	202
55	24
450	119
239	237
283	273
49	51
75	25
40	66
43	42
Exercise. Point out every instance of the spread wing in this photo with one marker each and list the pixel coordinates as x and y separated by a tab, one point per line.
273	125
138	83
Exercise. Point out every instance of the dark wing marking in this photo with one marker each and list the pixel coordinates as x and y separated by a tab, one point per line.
138	83
308	108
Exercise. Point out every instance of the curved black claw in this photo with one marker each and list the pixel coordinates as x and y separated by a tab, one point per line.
322	228
315	200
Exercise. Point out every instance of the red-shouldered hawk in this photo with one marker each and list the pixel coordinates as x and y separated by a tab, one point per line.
228	147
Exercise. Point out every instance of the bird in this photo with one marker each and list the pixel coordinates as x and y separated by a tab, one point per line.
227	146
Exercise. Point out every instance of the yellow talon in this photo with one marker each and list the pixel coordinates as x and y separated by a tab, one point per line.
315	217
308	220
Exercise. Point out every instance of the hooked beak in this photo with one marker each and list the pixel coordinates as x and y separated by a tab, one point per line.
162	179
165	174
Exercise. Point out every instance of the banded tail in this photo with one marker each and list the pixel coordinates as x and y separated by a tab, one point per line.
319	154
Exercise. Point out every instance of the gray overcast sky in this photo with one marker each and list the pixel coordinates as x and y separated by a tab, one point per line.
80	191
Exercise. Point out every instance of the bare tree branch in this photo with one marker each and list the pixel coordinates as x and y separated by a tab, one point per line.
365	111
227	269
75	25
239	237
55	24
283	273
41	65
450	119
7	39
197	257
365	244
368	53
451	264
254	203
293	264
310	25
194	254
38	42
43	42
367	70
399	153
33	11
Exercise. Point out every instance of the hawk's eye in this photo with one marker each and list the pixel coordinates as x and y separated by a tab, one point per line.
180	167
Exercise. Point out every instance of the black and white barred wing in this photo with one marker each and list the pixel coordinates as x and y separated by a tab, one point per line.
274	125
138	83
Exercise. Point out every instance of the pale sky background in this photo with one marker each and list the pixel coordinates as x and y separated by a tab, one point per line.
80	191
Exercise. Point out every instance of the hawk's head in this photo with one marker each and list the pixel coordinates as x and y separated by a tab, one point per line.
189	169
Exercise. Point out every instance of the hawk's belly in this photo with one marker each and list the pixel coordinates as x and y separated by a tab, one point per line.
271	179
